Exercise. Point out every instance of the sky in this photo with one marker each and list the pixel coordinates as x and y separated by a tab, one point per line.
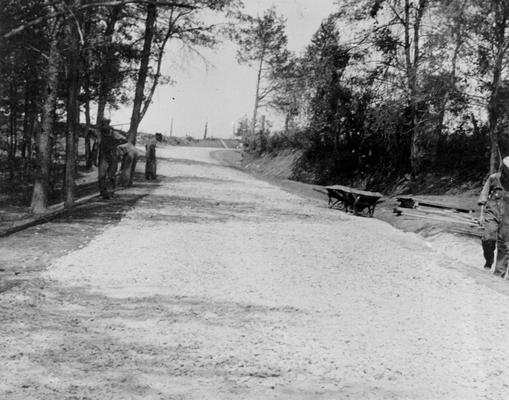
220	91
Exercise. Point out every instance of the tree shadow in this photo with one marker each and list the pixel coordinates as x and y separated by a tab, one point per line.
193	179
175	208
32	249
89	339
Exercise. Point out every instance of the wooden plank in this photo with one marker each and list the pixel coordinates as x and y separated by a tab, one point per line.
477	233
338	187
443	212
415	214
415	201
347	189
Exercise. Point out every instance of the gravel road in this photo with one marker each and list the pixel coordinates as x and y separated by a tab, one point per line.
217	285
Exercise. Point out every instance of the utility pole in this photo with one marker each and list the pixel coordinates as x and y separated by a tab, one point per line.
205	131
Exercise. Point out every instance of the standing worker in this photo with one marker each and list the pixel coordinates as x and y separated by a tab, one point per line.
494	200
108	159
129	157
150	157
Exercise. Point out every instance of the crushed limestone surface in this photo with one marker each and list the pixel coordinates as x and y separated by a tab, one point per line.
221	286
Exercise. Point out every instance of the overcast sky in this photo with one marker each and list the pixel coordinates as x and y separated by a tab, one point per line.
223	92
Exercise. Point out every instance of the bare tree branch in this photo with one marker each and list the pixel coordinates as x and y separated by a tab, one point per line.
37	21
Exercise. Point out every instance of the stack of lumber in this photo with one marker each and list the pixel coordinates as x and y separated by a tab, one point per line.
462	218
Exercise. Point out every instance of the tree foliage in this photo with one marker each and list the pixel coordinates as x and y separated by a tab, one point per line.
391	87
262	45
66	58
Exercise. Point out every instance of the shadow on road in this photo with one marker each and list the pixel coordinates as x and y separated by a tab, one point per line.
31	250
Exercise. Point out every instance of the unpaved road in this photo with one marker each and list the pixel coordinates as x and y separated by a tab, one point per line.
220	286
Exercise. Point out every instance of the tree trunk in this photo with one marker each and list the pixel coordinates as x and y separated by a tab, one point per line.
451	87
13	127
72	118
28	126
88	142
11	157
41	188
128	168
257	94
333	118
261	136
417	153
87	62
444	103
492	108
142	73
492	129
287	123
101	106
26	118
412	86
104	83
412	60
160	55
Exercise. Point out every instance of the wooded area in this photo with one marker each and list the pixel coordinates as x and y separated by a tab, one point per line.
66	58
387	87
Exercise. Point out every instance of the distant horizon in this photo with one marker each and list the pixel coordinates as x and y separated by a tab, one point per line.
140	133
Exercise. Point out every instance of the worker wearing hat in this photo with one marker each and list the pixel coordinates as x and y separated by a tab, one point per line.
493	201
